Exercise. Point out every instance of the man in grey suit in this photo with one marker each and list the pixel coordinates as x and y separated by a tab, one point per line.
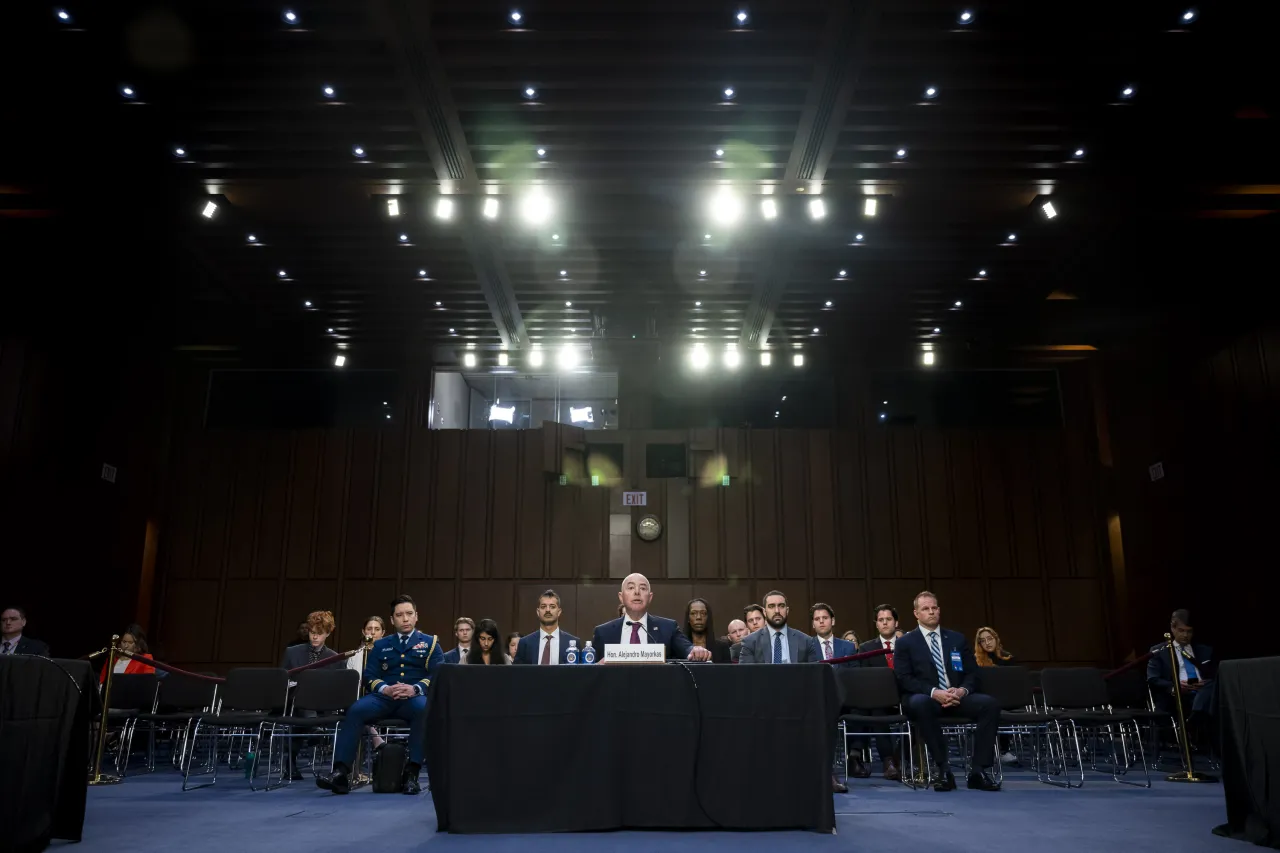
778	643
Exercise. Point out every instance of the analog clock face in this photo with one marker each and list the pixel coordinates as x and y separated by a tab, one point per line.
649	528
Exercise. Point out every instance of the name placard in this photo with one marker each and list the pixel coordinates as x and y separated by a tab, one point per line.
626	653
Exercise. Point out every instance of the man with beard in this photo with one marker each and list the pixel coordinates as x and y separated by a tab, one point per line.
701	630
637	627
548	645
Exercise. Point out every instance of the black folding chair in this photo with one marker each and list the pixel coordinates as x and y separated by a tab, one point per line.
320	702
131	694
1019	717
247	697
180	700
1078	697
873	689
1128	692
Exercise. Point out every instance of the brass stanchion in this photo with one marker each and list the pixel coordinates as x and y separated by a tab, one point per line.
98	777
1190	775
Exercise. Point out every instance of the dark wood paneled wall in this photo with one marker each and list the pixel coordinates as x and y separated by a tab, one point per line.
263	527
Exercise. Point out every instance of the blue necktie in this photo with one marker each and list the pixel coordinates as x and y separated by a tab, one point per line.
777	647
1189	665
943	683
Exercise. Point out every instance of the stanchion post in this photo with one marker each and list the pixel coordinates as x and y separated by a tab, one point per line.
98	777
1190	775
358	769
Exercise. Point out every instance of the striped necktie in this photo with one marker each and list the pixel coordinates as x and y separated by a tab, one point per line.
943	683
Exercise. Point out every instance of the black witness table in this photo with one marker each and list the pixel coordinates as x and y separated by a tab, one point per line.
589	748
1248	695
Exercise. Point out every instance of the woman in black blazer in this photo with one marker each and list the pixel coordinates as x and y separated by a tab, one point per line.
700	629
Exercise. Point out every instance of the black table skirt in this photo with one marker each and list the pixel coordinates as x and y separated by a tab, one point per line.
45	709
563	748
1248	694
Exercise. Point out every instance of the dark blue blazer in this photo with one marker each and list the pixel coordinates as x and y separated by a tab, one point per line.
528	651
453	656
416	664
1160	673
913	662
665	631
839	648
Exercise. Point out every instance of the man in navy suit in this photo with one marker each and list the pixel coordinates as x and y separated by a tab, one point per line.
548	645
463	629
1195	669
12	621
398	671
938	676
642	628
886	616
824	645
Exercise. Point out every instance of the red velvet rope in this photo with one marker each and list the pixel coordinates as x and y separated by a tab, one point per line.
859	656
1130	665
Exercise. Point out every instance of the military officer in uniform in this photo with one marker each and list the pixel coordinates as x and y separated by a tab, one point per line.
398	672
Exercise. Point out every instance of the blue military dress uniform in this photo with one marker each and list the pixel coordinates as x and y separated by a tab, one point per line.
396	659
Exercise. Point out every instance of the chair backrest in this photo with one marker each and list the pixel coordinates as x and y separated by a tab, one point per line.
1128	689
134	691
255	688
326	689
1008	685
867	688
1081	687
182	692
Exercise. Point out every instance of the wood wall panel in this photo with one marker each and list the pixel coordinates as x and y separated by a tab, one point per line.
963	603
966	505
1053	510
437	606
884	562
849	599
274	507
504	523
302	501
907	505
362	481
531	555
1023	510
389	511
446	502
854	554
995	508
705	529
793	475
417	505
1019	617
248	456
937	504
247	606
361	599
822	509
764	505
300	598
475	502
736	505
1078	608
189	619
332	504
210	562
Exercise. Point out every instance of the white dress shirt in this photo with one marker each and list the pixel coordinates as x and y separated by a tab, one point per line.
13	645
542	644
786	644
1182	661
942	646
827	645
644	629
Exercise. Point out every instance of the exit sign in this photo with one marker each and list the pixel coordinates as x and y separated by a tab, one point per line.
724	480
635	498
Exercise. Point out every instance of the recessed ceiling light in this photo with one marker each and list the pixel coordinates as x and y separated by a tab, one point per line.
444	208
339	360
422	273
179	152
568	304
357	150
901	154
798	359
469	359
63	15
536	207
542	152
817	208
535	357
404	238
1127	92
393	207
1049	210
283	274
306	303
697	304
1188	16
530	92
515	16
451	331
741	16
330	331
210	208
729	93
966	17
719	152
982	273
776	414
766	359
829	303
699	358
329	91
726	206
128	92
959	304
503	359
869	206
931	92
252	238
842	273
438	304
769	209
490	208
1012	238
815	330
290	16
937	331
555	236
1078	153
706	236
702	272
927	359
563	273
857	238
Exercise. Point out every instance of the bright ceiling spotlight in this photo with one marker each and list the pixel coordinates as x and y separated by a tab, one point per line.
439	304
179	151
503	359
769	209
284	274
1189	16
490	208
817	208
699	358
568	357
869	206
706	236
63	15
251	238
697	303
452	332
1127	92
901	154
568	304
403	238
444	208
732	358
339	360
766	359
290	16
469	359
515	16
535	356
423	274
535	207
358	150
210	208
128	92
959	304
931	92
1078	153
530	93
729	93
815	330
842	273
719	152
1012	238
564	273
741	17
726	206
306	303
393	207
828	303
499	413
982	273
1049	210
857	238
966	17
702	273
329	92
937	331
798	359
542	152
926	358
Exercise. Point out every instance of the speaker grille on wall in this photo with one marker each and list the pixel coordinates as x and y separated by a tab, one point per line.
664	460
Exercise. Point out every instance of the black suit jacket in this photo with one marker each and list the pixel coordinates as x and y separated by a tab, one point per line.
32	646
1160	674
528	650
665	631
296	656
871	646
914	667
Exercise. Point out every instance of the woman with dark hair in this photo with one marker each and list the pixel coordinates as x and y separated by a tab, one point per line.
135	641
700	629
513	642
487	649
375	628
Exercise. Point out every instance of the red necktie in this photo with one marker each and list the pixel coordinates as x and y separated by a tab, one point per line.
635	633
546	652
888	644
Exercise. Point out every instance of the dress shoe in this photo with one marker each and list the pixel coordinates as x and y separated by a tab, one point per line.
858	770
838	786
410	784
339	781
295	775
984	780
943	780
891	771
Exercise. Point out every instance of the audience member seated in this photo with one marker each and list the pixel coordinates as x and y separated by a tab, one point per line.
487	648
133	640
319	627
399	672
989	651
1196	669
737	630
850	636
548	645
699	627
12	642
936	669
463	628
753	614
824	644
513	643
886	619
643	628
375	628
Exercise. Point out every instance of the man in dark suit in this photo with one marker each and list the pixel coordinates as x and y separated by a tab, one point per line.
824	645
737	631
777	642
642	628
886	616
319	626
548	645
12	642
463	629
938	674
1195	670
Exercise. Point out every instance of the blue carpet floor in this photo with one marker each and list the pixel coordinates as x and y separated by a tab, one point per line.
874	817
